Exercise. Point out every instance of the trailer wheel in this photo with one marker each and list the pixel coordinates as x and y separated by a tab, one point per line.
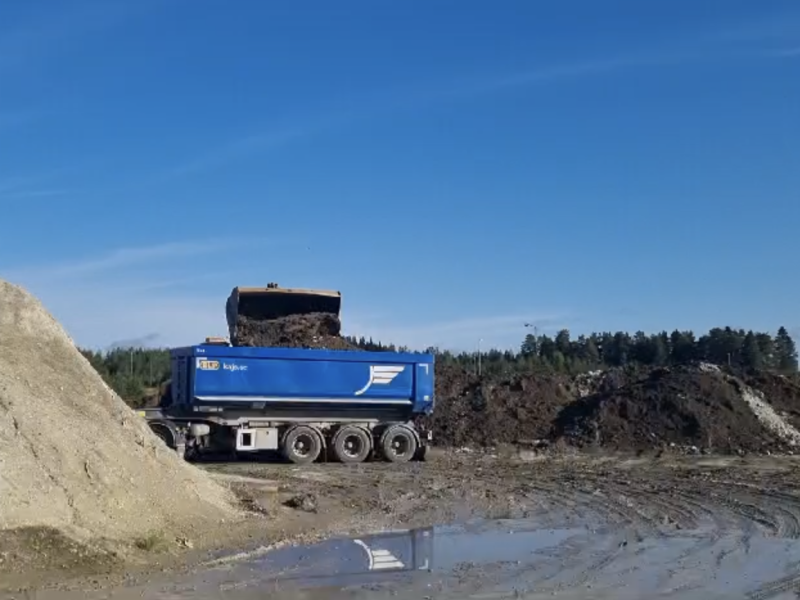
302	445
399	444
168	434
351	445
163	433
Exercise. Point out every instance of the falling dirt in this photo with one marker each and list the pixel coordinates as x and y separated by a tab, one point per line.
313	330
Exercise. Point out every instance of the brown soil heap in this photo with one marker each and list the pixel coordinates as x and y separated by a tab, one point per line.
73	456
631	409
638	409
486	412
312	330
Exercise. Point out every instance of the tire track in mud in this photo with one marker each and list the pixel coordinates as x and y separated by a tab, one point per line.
790	583
709	519
721	515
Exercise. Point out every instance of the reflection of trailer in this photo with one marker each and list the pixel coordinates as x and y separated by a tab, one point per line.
347	561
387	551
307	403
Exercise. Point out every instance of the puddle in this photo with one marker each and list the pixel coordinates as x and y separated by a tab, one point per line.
511	558
418	557
502	559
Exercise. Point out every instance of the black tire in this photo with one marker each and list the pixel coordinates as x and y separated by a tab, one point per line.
351	445
399	444
164	433
302	445
169	436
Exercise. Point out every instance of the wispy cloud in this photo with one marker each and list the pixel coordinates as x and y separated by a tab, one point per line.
148	340
128	293
31	194
69	23
37	185
710	48
780	25
122	299
382	105
261	142
785	53
100	317
125	258
14	119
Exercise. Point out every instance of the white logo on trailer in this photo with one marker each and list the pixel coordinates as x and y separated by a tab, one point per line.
381	375
380	559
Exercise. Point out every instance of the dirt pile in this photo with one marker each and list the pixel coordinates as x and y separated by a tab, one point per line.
487	412
640	409
621	409
312	330
781	391
73	456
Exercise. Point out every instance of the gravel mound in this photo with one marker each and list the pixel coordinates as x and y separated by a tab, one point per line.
73	456
311	330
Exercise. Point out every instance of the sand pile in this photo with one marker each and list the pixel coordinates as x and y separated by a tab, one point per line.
311	330
73	456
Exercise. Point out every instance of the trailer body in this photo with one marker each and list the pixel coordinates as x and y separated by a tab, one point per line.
348	404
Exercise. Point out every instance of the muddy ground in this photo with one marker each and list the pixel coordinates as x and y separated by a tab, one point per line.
636	499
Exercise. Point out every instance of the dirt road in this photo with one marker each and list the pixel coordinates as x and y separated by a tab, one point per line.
578	527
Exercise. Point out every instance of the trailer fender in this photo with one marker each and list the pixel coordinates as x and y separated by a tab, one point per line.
169	433
323	442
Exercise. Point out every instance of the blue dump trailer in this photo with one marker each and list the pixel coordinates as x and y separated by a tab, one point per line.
309	404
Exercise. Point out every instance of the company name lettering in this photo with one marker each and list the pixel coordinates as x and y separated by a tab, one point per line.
232	367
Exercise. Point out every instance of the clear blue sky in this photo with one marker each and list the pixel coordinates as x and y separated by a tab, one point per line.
454	168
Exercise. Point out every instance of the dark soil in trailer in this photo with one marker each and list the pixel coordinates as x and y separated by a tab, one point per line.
313	330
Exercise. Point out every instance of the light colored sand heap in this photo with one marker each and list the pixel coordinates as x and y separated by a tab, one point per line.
72	455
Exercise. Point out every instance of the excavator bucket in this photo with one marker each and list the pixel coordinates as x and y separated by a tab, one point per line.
273	302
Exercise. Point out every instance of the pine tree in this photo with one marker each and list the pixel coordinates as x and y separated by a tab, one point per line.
752	355
786	352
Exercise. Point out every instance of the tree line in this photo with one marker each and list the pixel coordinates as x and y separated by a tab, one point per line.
139	375
725	346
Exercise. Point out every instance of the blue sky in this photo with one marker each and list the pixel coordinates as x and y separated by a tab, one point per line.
455	168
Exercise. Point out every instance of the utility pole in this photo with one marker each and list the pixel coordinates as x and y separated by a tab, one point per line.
480	351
